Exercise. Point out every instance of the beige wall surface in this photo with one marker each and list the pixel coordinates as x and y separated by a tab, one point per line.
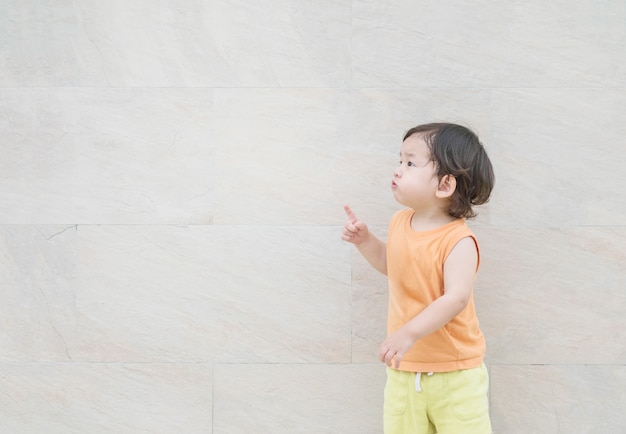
172	176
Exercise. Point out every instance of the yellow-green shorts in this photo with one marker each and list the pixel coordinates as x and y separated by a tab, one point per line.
443	403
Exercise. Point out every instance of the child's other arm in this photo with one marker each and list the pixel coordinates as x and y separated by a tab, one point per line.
459	274
372	249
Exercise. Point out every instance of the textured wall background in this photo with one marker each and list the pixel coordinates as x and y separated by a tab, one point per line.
172	176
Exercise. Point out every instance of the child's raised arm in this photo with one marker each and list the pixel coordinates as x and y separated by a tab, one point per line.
372	249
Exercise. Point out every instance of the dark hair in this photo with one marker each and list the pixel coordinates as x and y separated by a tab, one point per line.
456	151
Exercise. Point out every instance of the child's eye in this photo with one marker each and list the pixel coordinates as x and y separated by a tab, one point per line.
410	164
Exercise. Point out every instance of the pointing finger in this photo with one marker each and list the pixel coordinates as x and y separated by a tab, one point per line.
349	213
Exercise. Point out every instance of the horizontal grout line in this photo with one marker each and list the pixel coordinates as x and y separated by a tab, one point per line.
70	363
622	87
289	225
556	364
216	364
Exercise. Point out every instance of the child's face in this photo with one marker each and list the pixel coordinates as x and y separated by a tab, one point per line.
415	179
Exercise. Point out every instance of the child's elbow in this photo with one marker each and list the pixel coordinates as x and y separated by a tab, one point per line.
459	302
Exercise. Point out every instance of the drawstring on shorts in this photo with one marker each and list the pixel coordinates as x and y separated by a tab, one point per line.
418	377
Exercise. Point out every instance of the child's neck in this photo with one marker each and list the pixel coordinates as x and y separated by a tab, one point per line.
425	221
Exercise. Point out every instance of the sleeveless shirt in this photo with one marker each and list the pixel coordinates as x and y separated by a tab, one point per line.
415	262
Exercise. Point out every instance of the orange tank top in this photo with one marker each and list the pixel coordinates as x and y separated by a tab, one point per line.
415	272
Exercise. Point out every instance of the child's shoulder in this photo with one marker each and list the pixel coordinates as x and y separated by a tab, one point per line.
400	217
402	214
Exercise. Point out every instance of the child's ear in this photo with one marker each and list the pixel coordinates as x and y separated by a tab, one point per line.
447	186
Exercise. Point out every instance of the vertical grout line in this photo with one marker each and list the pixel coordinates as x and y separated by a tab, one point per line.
351	307
214	143
212	398
76	74
489	395
351	80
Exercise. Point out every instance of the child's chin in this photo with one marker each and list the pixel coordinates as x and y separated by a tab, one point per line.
398	198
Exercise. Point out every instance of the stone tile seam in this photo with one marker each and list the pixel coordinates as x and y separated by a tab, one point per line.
338	226
343	88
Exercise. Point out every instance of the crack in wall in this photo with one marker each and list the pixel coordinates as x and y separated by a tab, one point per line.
61	232
67	353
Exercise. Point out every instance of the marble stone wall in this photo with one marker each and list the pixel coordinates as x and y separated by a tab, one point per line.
172	176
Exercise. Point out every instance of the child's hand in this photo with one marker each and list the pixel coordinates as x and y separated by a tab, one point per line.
395	347
355	231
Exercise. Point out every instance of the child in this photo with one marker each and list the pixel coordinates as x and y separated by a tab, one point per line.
436	379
